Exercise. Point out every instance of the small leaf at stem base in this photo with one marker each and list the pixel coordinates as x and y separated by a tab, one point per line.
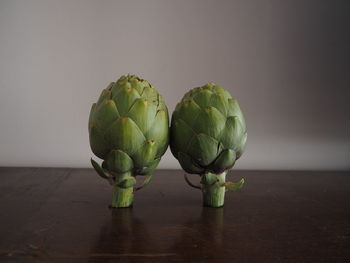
231	186
126	183
100	171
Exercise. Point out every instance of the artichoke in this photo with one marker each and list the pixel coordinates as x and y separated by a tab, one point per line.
207	135
129	130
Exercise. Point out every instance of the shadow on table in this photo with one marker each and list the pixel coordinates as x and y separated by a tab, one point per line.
120	236
126	238
202	238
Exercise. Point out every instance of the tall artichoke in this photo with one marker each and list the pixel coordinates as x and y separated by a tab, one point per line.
208	134
129	130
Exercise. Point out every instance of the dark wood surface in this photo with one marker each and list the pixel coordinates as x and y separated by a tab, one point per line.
62	215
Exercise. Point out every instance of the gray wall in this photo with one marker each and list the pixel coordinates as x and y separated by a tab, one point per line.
287	62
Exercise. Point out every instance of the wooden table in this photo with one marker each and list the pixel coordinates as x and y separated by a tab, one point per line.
62	215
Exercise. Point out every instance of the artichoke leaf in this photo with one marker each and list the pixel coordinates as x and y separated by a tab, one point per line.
105	94
219	89
93	106
159	132
188	111
104	114
143	113
136	84
203	97
104	165
210	122
219	101
125	99
101	172
225	161
116	88
235	110
190	93
97	142
203	149
232	134
150	94
125	135
241	146
128	182
231	186
145	154
181	135
188	164
209	179
119	162
161	104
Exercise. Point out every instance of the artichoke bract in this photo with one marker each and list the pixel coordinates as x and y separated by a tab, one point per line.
129	130
207	135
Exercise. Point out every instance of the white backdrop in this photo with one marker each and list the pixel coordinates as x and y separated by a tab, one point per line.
286	62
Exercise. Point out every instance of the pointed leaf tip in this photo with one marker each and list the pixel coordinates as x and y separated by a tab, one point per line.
101	172
231	186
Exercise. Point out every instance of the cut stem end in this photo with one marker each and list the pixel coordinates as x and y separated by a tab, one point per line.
212	189
122	196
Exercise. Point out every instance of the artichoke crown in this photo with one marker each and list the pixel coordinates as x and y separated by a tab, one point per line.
208	131
129	126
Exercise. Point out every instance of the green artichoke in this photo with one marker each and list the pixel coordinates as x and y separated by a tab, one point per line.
207	135
129	130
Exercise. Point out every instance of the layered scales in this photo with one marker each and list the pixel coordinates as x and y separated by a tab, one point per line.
208	134
129	130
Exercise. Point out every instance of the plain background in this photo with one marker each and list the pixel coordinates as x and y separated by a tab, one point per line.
287	63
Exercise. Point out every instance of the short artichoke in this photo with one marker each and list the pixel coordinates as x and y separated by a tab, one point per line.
129	130
208	134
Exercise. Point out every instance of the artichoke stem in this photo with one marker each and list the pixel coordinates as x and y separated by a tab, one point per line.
122	197
212	189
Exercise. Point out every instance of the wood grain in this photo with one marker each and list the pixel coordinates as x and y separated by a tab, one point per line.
62	215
